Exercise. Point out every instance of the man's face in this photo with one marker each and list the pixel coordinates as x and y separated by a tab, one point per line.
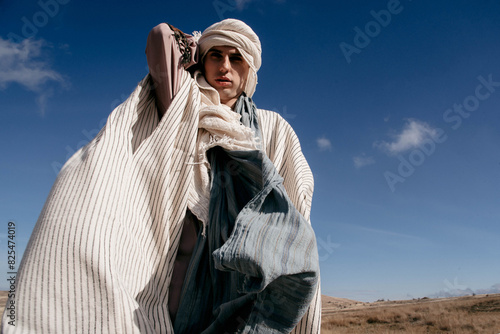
226	71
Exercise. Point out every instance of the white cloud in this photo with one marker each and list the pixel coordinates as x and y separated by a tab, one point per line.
413	135
20	63
453	289
452	293
324	144
362	161
495	288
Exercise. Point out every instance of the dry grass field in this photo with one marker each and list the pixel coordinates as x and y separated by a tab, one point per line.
471	314
461	315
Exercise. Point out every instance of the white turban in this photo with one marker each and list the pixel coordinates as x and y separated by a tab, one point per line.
235	33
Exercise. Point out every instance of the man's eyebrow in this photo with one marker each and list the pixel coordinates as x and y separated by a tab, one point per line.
232	53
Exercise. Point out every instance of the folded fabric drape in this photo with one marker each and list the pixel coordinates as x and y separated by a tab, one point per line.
256	269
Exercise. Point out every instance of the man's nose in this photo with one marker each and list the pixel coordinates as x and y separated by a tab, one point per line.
225	65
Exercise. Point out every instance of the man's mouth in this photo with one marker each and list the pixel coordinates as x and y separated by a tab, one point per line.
223	81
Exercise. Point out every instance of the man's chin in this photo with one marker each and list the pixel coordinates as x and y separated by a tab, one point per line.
226	94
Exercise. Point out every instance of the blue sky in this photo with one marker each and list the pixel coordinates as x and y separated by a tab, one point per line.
396	104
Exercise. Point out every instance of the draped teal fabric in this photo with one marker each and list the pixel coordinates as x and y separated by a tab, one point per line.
256	268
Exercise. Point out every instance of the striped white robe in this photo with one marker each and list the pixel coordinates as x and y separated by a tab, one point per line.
101	256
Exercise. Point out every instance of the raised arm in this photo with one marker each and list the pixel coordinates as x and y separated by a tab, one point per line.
168	51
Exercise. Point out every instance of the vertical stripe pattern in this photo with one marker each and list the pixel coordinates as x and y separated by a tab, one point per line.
101	255
283	149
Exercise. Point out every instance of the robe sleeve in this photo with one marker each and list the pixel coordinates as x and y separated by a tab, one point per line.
283	148
167	58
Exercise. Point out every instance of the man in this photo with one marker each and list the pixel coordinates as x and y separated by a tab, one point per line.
175	217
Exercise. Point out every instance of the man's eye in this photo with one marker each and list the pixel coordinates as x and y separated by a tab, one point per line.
236	58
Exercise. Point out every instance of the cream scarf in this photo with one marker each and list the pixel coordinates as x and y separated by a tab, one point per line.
220	126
